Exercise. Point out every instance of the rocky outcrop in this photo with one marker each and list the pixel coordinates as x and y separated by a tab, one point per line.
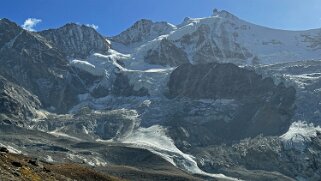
213	45
76	41
258	106
8	30
16	102
219	81
18	167
166	54
122	87
143	30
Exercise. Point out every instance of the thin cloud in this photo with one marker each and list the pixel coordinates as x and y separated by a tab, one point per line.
30	24
92	26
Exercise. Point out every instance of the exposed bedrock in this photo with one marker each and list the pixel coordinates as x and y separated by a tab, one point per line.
248	105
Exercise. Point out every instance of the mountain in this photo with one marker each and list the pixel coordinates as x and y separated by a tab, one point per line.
214	98
77	41
223	38
38	63
30	61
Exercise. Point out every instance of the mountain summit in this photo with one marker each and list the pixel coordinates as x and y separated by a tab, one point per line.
222	37
142	31
76	41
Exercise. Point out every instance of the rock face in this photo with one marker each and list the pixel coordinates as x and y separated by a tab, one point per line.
32	62
143	30
122	87
28	60
262	107
213	45
76	41
16	102
166	54
8	30
305	76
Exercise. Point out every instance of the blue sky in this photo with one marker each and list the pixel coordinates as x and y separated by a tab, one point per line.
114	16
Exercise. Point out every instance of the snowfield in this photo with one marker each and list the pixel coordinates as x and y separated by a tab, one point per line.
155	140
153	78
88	67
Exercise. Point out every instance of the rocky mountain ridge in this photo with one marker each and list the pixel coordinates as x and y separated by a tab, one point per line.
76	41
142	31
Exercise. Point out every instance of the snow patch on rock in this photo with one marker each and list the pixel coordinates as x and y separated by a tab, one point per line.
87	67
49	159
11	149
299	134
57	133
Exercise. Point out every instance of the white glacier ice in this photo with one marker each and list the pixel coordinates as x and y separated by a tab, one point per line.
155	140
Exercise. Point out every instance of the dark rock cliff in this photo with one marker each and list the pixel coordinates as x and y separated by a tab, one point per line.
166	54
16	102
259	106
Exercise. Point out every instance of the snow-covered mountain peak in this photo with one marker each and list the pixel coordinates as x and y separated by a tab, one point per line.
222	37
